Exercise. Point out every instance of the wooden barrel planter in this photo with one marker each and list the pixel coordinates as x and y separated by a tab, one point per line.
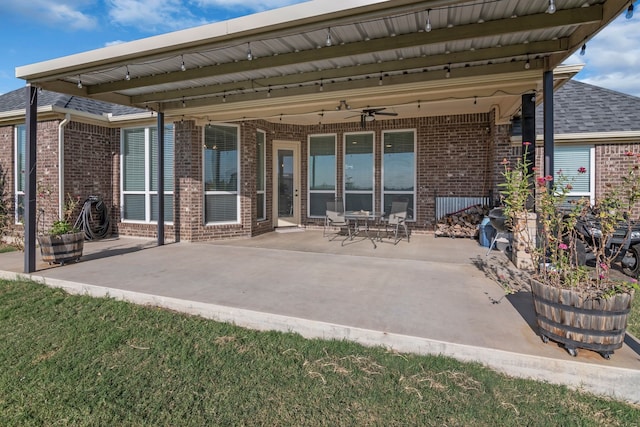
568	317
61	248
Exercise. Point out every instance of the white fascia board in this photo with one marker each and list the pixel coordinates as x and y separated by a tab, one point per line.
276	19
596	137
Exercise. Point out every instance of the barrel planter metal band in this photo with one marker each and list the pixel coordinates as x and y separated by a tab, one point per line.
568	317
62	248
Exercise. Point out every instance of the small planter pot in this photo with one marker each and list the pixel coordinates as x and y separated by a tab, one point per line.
568	317
62	248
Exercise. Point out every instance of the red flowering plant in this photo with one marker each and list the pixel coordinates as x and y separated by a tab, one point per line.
559	249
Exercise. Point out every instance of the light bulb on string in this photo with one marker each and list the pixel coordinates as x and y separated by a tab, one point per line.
79	82
552	7
127	77
183	67
427	25
583	50
629	13
328	42
249	54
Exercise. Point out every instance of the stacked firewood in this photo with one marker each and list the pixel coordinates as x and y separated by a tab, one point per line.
463	223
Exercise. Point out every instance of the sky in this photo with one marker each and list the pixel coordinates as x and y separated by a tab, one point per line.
39	30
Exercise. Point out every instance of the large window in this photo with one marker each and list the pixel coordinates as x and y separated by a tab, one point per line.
358	171
568	159
19	168
221	172
140	174
261	202
322	173
398	169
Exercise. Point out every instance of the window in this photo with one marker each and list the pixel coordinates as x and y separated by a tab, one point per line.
358	171
221	169
398	169
261	202
569	159
322	173
19	168
140	174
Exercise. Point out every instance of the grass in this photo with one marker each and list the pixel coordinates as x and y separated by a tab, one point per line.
78	360
633	320
7	248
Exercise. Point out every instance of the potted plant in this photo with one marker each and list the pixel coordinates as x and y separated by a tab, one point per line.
62	242
578	305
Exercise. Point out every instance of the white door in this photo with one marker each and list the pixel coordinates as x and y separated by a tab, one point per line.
286	183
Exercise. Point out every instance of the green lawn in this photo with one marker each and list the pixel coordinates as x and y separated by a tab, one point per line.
77	360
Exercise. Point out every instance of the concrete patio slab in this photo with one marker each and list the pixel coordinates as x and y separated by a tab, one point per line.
429	296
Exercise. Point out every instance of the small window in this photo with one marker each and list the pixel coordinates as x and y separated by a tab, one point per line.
221	172
20	167
140	174
358	171
322	173
261	201
567	160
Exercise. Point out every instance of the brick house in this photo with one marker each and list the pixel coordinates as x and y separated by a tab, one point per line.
264	118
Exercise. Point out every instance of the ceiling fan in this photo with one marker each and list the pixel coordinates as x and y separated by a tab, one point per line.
369	115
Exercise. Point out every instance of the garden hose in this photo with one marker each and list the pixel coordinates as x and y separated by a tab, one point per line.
98	229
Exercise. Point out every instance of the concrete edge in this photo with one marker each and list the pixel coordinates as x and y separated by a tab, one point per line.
619	383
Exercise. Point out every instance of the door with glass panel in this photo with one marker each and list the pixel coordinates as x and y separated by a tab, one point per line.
286	183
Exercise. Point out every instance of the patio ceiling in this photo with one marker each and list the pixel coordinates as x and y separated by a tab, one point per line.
479	55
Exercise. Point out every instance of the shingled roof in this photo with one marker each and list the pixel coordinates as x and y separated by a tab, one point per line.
584	108
16	100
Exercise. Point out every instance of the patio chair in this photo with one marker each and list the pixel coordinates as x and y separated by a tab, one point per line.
334	218
397	220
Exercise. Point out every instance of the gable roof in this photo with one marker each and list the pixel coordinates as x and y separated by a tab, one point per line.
581	108
16	100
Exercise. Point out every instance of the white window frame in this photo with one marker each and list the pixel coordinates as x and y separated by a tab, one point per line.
373	168
591	170
415	171
335	166
220	193
264	173
17	192
147	192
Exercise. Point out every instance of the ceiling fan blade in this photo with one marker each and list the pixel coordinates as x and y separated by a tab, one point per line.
387	114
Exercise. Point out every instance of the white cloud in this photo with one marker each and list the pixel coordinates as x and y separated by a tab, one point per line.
153	15
114	42
66	14
612	58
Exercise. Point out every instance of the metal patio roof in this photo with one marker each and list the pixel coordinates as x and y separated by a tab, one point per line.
478	55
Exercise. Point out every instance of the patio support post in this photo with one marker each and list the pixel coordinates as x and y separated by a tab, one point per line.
529	136
29	220
547	88
160	178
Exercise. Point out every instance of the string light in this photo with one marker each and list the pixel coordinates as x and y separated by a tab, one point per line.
527	64
127	77
448	71
380	81
552	7
583	50
629	13
249	54
328	42
269	92
427	26
321	85
184	104
79	82
183	67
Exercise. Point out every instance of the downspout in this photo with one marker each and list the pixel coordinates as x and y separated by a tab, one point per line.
61	127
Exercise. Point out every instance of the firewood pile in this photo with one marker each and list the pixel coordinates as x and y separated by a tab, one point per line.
463	223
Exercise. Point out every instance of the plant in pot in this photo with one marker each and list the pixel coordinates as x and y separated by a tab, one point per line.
579	304
62	242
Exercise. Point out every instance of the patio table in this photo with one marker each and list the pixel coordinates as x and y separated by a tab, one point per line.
363	221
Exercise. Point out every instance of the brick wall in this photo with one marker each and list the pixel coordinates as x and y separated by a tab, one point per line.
456	155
